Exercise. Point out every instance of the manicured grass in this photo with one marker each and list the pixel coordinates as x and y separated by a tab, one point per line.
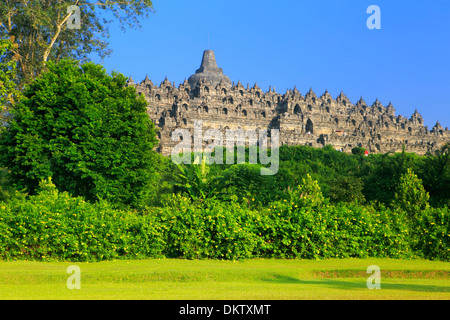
171	279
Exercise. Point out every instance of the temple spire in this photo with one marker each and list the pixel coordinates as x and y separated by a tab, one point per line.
209	71
208	62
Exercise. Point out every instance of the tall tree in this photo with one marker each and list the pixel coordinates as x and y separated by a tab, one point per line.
85	129
9	92
42	29
436	175
410	194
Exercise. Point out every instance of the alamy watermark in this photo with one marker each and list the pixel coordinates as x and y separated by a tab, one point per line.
374	21
74	281
258	143
74	21
374	281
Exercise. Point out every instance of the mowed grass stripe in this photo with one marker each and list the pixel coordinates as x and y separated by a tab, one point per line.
409	274
212	279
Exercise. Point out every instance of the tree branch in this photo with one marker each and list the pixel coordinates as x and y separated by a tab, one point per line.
52	42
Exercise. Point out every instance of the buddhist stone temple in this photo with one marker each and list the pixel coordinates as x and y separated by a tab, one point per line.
209	96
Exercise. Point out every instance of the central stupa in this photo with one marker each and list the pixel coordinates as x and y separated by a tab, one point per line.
209	72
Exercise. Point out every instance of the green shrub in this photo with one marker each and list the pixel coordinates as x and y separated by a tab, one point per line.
55	226
346	189
214	229
410	194
358	151
338	231
431	233
308	193
246	182
84	128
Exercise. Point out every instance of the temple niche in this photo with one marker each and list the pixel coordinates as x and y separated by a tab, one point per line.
211	97
309	128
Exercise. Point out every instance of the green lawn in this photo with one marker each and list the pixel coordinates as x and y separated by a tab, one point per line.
171	279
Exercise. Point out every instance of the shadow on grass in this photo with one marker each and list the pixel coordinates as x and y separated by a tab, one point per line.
358	284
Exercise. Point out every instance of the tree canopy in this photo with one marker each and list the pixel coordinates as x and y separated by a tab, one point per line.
85	129
9	92
39	29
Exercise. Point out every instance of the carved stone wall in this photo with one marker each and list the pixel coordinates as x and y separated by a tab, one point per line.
301	119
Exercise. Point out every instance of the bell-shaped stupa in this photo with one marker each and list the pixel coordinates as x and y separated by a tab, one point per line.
209	72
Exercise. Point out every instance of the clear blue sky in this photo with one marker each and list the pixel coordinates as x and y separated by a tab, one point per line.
322	44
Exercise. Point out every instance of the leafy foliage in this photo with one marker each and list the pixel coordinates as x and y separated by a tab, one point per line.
307	194
382	173
436	176
86	130
9	92
347	189
410	195
246	182
197	183
40	32
214	230
55	226
358	151
431	233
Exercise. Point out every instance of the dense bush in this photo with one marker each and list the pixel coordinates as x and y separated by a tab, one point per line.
214	229
431	233
84	128
358	151
410	194
346	189
376	177
53	225
307	226
246	182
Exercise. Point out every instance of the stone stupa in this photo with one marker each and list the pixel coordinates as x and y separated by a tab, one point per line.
209	72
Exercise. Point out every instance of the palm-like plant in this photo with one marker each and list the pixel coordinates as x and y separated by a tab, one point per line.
195	180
